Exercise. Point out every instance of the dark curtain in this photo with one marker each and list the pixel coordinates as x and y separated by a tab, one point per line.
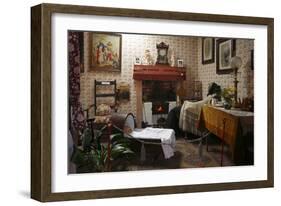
76	113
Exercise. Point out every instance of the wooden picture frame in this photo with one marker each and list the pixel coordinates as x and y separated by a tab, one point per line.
105	51
225	50
137	61
42	97
180	63
208	50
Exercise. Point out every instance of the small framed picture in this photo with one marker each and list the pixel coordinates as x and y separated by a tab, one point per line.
137	60
225	50
180	63
208	50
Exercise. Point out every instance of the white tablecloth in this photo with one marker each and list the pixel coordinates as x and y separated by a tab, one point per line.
167	137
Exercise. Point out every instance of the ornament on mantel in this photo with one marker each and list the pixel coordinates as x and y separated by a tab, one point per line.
147	59
172	59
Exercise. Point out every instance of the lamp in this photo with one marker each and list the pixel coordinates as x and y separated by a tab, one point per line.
235	63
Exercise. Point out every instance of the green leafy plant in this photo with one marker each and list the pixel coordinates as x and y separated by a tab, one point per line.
228	96
95	156
214	89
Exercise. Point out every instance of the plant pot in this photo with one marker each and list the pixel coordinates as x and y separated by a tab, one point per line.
227	105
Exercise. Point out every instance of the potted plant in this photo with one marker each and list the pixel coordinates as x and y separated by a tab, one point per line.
94	156
215	90
228	96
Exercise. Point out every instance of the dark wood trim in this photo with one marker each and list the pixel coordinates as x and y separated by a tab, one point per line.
46	103
156	190
270	99
36	171
212	60
233	52
138	13
41	101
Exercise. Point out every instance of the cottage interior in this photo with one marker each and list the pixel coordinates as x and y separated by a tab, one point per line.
179	123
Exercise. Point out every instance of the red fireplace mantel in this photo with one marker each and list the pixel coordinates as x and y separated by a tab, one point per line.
158	72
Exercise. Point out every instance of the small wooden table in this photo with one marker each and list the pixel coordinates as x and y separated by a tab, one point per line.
232	127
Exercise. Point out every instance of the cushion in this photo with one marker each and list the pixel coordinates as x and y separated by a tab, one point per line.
127	130
103	109
101	119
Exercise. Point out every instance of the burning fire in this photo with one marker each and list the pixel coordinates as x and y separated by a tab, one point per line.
160	109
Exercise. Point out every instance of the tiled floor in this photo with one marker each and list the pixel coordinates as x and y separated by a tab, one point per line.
186	156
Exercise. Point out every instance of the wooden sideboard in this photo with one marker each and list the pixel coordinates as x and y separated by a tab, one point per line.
232	127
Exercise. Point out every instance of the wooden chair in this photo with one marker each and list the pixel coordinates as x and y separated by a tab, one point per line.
103	95
91	120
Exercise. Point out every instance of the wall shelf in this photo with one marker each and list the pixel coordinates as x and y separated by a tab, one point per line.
158	72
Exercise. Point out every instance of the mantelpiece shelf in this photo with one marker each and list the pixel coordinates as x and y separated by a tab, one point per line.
158	72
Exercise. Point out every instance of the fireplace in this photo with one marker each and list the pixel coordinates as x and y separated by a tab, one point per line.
155	91
156	97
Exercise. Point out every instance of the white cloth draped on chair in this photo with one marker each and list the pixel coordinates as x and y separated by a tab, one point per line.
191	110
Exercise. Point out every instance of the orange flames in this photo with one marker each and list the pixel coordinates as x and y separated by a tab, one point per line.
160	109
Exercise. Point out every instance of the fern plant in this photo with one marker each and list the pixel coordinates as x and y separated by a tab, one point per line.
94	156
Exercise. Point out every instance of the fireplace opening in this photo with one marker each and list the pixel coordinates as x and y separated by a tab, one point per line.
159	94
160	107
158	91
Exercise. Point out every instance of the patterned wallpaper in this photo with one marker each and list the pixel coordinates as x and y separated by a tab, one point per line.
207	72
134	45
186	48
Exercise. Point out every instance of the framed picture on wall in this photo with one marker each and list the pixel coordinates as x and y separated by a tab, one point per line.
180	62
208	50
137	61
105	51
225	50
64	144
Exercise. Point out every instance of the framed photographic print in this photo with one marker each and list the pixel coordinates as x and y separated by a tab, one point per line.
137	61
208	50
180	63
225	51
105	51
87	141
